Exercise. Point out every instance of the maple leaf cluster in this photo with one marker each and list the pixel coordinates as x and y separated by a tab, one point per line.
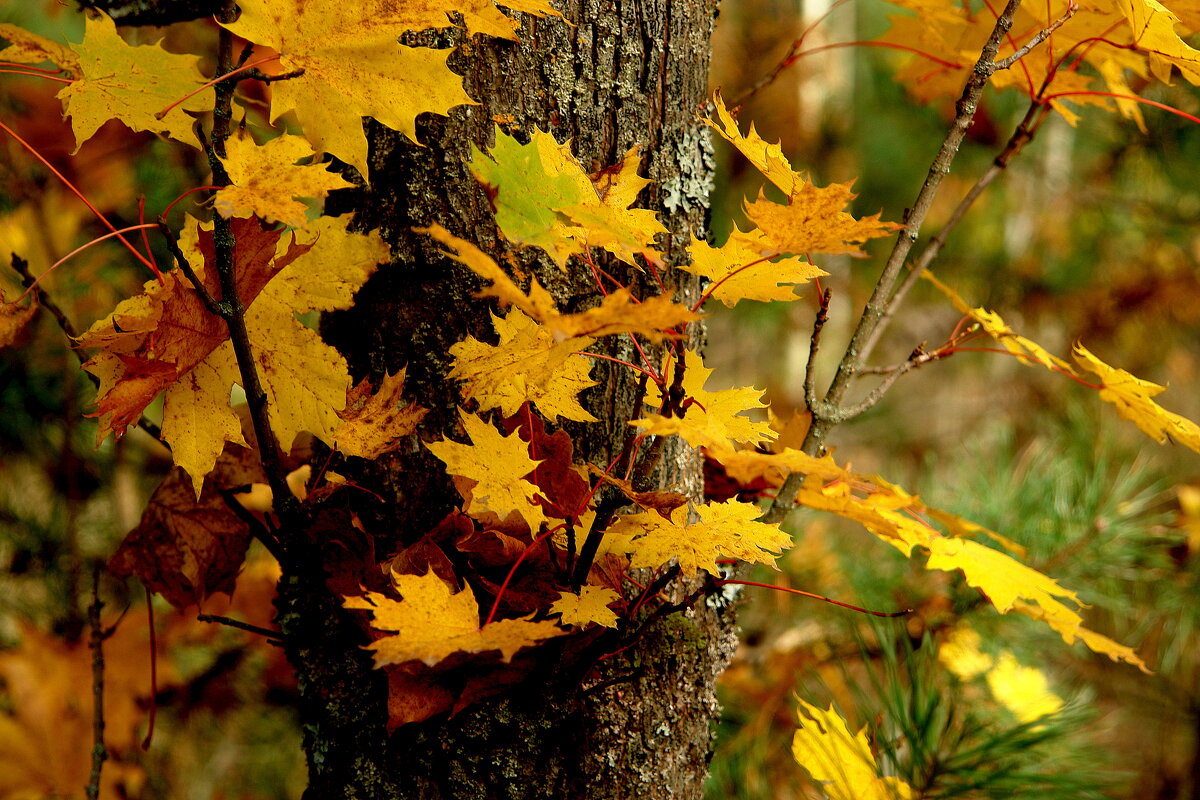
542	543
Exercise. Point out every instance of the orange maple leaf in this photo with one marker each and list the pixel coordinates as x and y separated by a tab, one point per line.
155	338
815	221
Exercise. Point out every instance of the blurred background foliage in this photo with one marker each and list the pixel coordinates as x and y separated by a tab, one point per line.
1092	235
1089	235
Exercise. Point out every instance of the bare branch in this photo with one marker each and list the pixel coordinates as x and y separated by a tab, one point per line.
856	351
241	626
810	390
231	307
1022	136
202	292
919	358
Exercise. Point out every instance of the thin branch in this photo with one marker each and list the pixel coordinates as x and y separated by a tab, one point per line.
265	78
1040	37
856	353
233	311
241	626
1022	136
96	644
153	668
21	267
810	389
185	267
919	358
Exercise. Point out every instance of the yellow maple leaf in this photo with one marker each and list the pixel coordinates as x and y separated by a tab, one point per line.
617	313
747	466
725	530
25	47
1070	627
1153	27
1131	395
620	184
766	157
590	605
165	340
713	416
431	623
527	366
814	221
306	380
840	760
499	465
1024	691
131	83
374	424
197	417
267	180
742	269
894	515
1115	37
1028	351
353	68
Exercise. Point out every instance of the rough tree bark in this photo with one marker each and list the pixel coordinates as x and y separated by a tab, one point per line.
624	73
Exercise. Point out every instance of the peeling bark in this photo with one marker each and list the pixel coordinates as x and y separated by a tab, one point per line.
640	723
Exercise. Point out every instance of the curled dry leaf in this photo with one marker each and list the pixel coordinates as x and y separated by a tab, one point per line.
14	318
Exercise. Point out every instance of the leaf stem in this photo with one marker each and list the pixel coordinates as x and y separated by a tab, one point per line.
80	249
79	194
213	82
814	596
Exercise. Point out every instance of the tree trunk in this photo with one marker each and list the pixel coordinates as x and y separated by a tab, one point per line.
638	724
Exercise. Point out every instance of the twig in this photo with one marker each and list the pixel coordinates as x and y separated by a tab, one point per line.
919	358
810	390
1038	38
265	78
856	352
242	626
21	266
1022	136
257	529
181	261
96	644
793	54
30	282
